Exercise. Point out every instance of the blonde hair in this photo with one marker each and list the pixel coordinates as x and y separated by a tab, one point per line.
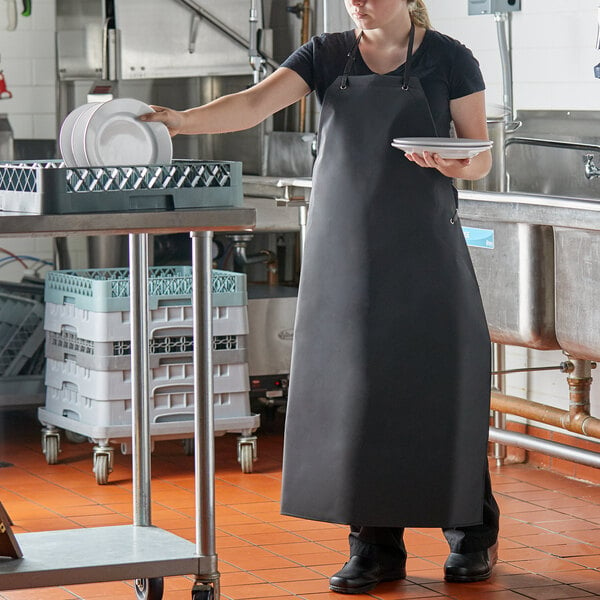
419	14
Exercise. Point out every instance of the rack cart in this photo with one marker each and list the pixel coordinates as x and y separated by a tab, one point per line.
88	387
139	551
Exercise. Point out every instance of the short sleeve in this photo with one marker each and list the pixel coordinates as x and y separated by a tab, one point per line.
466	77
302	62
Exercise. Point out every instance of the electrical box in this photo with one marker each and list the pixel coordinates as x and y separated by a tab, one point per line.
489	7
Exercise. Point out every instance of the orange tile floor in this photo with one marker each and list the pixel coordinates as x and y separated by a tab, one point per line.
549	547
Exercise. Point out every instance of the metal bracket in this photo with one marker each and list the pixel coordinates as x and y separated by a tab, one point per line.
296	192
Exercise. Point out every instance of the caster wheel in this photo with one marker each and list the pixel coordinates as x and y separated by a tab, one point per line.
246	458
101	470
149	589
75	438
188	446
51	449
206	592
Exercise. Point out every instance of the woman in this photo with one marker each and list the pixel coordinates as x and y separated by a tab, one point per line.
389	396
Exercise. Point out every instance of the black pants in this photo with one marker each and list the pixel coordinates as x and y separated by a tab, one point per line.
386	544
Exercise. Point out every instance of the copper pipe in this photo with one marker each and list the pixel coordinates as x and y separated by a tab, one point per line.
303	39
272	273
581	422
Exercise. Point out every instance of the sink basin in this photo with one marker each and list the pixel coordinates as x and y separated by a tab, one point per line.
577	291
514	263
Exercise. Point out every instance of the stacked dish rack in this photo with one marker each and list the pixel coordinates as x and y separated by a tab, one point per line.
21	349
88	371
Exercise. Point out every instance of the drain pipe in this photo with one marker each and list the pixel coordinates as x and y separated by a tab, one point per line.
580	382
241	259
583	423
576	420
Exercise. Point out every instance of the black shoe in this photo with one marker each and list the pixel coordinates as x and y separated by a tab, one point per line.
473	566
361	574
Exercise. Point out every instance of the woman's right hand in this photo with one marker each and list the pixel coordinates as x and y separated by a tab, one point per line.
173	119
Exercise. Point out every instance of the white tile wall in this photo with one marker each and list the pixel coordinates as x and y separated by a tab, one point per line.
27	57
553	50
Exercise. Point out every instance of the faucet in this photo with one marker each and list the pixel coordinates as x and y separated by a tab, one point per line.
591	170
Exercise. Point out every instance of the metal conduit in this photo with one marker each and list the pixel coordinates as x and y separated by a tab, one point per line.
521	440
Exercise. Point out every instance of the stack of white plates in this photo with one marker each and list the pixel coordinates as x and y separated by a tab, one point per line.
444	146
109	133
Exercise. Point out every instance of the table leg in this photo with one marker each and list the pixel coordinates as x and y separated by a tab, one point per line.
204	448
140	397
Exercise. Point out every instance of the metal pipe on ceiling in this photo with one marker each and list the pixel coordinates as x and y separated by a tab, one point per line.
224	28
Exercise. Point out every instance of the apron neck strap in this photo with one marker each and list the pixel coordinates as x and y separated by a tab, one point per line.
350	62
352	57
409	57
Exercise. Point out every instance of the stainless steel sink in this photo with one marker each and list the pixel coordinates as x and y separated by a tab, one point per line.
578	291
515	270
547	254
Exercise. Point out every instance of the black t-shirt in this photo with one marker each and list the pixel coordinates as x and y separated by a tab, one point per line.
447	69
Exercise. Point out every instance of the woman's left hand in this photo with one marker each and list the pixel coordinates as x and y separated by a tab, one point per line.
450	167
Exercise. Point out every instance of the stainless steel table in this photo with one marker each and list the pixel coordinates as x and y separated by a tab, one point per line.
139	551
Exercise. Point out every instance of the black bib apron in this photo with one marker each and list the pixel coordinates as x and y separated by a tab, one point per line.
387	418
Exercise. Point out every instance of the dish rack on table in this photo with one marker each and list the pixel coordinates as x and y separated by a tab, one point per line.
21	348
51	188
88	371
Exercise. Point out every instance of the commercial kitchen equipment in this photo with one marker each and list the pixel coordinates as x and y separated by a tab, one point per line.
271	314
165	52
281	206
110	39
139	551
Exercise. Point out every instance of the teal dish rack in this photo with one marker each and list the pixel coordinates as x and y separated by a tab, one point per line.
105	290
50	187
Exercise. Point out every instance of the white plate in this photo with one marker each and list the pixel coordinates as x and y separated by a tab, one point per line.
65	135
114	136
445	147
78	134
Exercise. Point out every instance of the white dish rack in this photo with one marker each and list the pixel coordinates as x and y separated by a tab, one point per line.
105	386
116	355
162	321
88	371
